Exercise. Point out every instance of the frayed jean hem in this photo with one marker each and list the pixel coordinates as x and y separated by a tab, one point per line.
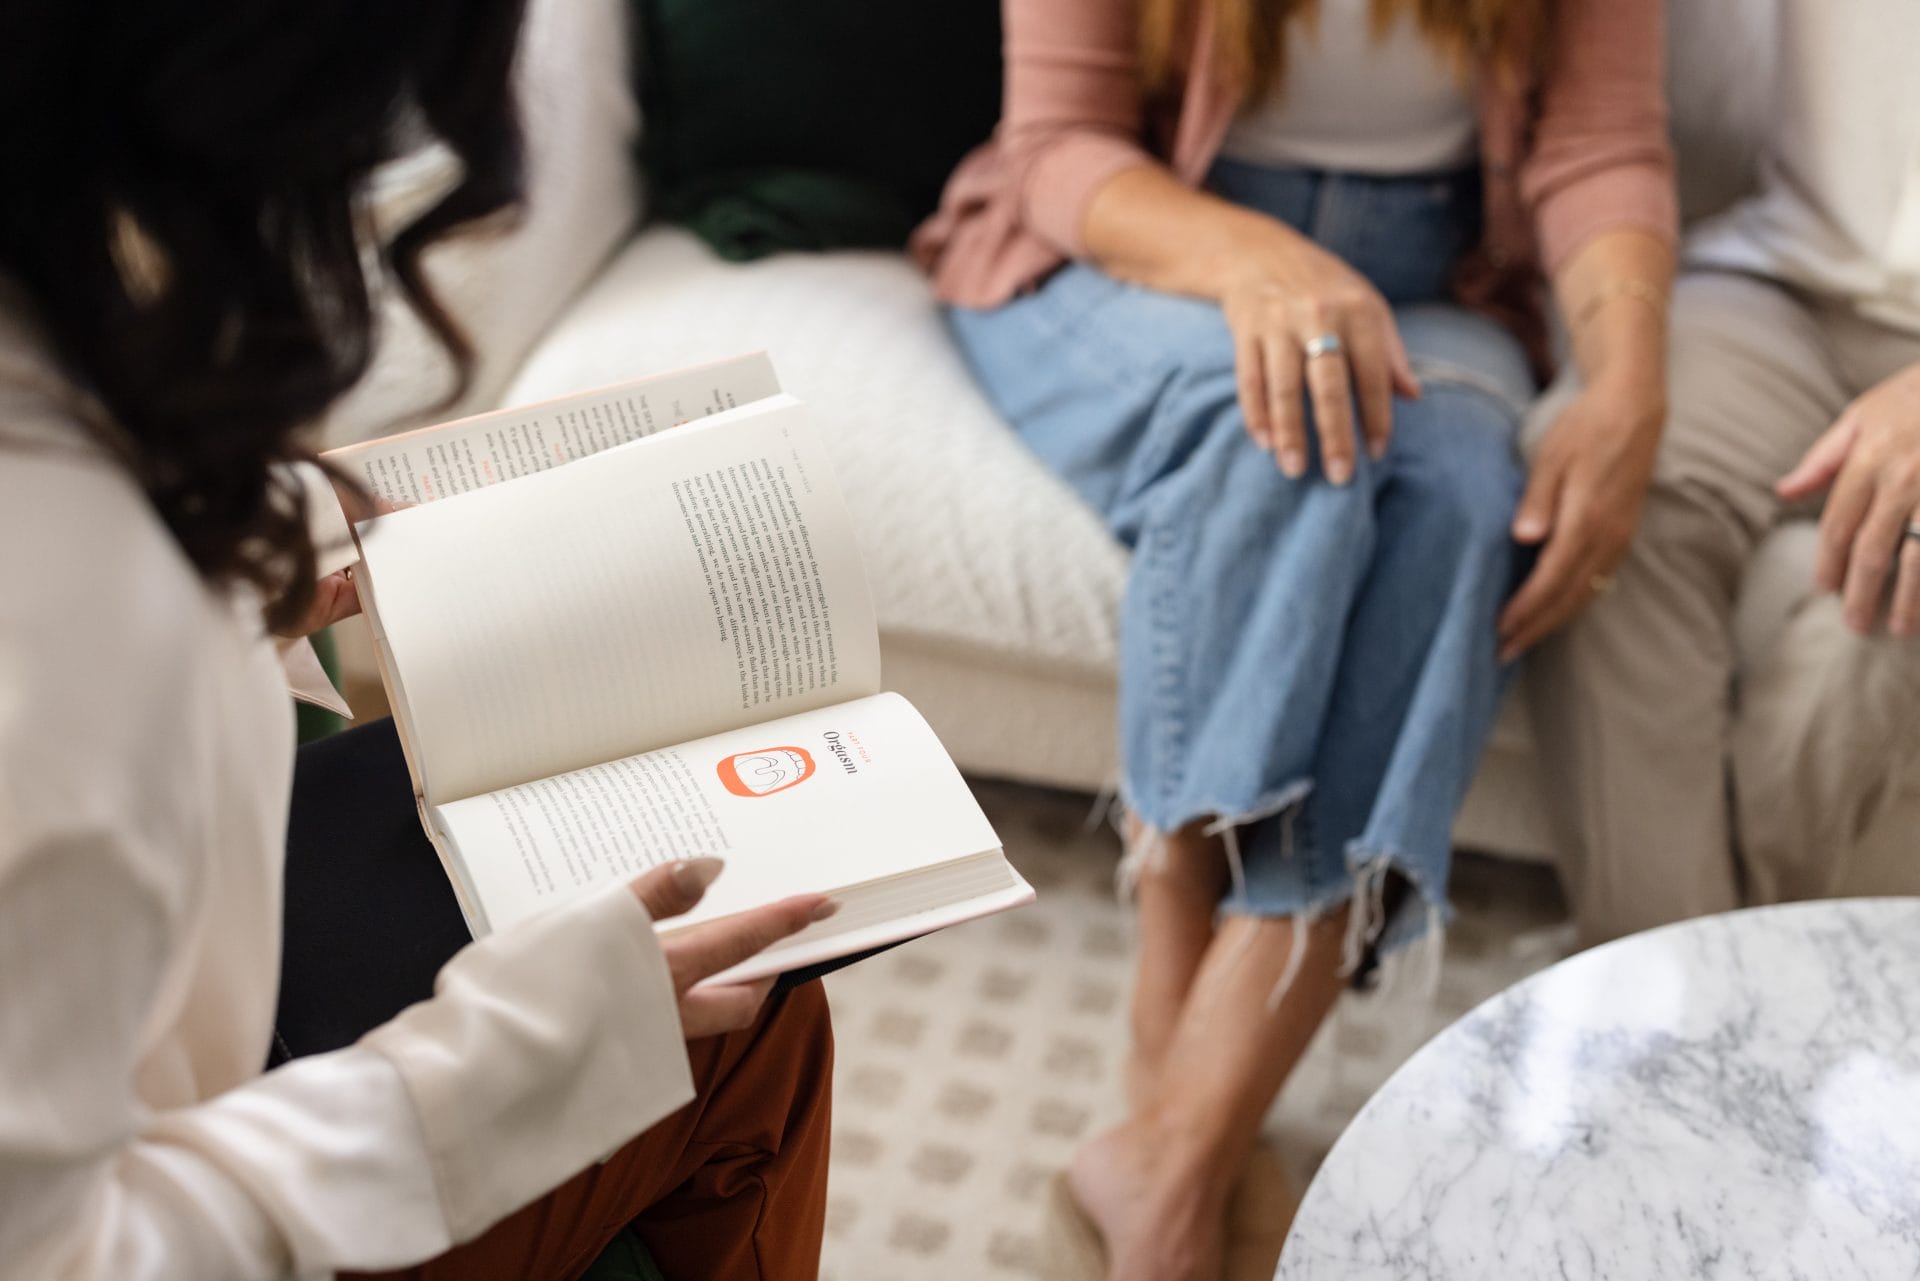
1146	849
1375	941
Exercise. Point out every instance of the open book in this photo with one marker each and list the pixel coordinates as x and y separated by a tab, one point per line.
663	648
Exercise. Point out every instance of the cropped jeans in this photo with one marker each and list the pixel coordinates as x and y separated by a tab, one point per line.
1311	669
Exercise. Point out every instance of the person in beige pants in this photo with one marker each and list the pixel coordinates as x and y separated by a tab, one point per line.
1685	781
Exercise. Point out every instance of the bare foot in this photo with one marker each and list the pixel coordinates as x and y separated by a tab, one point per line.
1162	1218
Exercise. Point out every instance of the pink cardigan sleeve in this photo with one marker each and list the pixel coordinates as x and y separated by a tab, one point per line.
1600	157
1072	116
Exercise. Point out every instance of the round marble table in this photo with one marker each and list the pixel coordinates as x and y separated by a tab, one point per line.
1733	1097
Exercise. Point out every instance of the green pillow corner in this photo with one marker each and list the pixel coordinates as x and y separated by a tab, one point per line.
770	125
310	722
750	213
624	1259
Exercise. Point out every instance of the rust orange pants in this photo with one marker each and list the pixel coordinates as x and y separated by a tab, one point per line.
732	1186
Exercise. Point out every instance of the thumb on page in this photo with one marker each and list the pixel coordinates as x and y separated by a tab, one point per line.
674	888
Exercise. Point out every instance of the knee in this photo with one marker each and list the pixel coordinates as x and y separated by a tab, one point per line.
787	1052
1485	499
800	1018
1815	692
1203	470
1465	489
1193	428
798	1048
1685	536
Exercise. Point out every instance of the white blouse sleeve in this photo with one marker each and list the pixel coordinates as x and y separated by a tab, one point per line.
543	1050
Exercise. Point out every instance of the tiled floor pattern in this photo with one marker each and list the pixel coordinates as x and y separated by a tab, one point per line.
970	1063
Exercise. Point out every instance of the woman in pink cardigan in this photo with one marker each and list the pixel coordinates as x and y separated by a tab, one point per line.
1264	281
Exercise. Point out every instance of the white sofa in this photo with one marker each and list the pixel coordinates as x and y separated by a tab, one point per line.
997	592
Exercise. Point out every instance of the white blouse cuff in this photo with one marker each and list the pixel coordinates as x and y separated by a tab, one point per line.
546	1048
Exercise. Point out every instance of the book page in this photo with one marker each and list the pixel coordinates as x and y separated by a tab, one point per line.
818	802
691	582
452	458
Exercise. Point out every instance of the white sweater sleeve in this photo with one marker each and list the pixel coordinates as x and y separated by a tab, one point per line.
543	1050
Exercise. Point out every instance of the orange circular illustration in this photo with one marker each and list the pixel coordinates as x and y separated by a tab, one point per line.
769	770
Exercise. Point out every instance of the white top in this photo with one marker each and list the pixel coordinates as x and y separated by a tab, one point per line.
1733	1096
145	759
1353	104
1838	210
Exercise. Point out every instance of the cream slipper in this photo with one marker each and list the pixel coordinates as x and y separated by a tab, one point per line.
1072	1249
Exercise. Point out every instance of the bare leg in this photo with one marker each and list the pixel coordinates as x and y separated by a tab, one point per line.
1178	896
1156	1185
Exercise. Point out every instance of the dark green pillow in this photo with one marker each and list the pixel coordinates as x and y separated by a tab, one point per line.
624	1259
770	124
312	723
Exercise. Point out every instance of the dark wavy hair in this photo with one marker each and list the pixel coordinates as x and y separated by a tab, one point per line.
182	206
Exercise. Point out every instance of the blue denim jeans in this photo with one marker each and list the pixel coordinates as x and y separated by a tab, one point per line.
1311	668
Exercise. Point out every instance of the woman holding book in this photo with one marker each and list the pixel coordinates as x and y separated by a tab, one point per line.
181	289
1263	281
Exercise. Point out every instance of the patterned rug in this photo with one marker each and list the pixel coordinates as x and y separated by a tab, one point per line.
971	1063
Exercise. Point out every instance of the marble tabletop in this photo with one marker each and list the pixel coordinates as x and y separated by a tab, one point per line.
1733	1097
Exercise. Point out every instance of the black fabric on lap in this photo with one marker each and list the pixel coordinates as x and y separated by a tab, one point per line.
370	916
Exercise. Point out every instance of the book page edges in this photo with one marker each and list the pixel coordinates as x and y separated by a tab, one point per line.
464	892
831	939
346	453
389	672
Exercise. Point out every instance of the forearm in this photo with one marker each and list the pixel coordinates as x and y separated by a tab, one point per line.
1590	473
1613	293
1144	226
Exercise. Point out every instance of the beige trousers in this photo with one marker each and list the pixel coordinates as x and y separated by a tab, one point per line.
1686	775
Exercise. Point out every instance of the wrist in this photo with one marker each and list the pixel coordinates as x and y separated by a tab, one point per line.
1627	366
1251	252
1635	396
1620	342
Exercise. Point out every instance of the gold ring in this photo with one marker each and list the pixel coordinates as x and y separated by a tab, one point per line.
1601	584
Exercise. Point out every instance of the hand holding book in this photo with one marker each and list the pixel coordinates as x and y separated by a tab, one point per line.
335	595
697	954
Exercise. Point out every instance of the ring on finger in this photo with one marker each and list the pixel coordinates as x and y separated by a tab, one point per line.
1327	344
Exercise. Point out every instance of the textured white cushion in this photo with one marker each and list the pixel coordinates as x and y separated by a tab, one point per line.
970	544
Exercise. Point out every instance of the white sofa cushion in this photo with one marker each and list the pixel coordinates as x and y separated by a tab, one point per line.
968	540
